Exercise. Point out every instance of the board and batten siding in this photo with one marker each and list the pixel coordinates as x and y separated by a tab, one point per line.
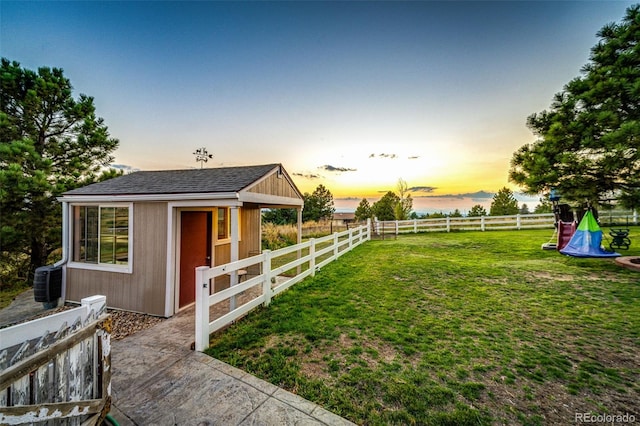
274	185
144	289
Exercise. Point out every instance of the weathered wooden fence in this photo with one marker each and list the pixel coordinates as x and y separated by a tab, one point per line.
486	223
271	272
56	370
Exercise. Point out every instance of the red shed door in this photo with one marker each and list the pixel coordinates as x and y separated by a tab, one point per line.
195	250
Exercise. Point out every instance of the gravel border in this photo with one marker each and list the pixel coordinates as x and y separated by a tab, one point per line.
123	323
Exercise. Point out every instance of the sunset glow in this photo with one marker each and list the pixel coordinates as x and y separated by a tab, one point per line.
351	95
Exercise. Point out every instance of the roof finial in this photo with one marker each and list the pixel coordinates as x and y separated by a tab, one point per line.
202	156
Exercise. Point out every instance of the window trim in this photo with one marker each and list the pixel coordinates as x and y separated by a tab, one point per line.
107	267
227	240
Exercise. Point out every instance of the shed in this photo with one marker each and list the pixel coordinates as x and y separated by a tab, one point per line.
138	238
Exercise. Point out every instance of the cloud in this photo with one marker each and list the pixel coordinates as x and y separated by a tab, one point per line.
476	196
124	167
307	175
391	156
330	168
422	189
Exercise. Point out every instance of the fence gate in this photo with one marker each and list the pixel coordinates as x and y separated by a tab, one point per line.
57	370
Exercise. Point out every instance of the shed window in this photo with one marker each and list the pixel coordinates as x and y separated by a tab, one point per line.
101	235
224	224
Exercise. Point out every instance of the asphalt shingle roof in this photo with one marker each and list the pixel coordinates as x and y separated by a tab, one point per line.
223	179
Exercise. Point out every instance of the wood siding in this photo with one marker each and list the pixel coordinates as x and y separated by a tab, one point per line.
274	185
249	245
144	289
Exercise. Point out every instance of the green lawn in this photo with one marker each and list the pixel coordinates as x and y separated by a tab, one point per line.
459	328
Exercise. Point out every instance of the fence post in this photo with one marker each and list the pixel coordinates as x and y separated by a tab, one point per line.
518	221
312	256
335	245
202	309
397	228
350	239
266	271
415	226
448	224
482	223
94	303
368	228
635	217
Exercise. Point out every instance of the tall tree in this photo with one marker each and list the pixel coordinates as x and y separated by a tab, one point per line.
49	143
504	203
477	211
588	142
403	208
363	211
319	205
384	208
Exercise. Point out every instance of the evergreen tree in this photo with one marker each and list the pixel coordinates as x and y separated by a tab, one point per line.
503	203
455	213
319	205
49	143
477	211
280	216
363	212
384	208
524	209
589	141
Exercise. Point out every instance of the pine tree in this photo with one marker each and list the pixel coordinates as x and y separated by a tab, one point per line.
503	203
588	143
49	143
319	205
363	211
477	211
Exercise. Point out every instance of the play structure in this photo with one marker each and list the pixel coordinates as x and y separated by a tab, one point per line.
587	240
565	224
583	239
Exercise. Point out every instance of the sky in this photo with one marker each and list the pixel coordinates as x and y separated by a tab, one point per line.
350	95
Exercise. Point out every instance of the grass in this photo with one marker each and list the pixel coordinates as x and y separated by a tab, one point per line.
459	328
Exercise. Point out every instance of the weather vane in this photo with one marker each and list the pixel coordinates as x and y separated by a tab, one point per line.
202	156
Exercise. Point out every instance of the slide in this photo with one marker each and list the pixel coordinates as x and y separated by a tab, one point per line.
565	232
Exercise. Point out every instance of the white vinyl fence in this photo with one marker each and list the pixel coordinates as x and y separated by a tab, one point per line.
57	369
486	223
266	275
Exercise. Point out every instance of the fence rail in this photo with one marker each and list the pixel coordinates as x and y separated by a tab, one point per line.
274	272
57	369
485	223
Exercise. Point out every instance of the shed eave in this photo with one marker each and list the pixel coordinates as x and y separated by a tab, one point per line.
87	198
267	199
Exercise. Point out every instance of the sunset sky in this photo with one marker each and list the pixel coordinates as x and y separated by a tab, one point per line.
353	95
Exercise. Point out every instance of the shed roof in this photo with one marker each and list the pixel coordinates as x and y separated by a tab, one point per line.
190	181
